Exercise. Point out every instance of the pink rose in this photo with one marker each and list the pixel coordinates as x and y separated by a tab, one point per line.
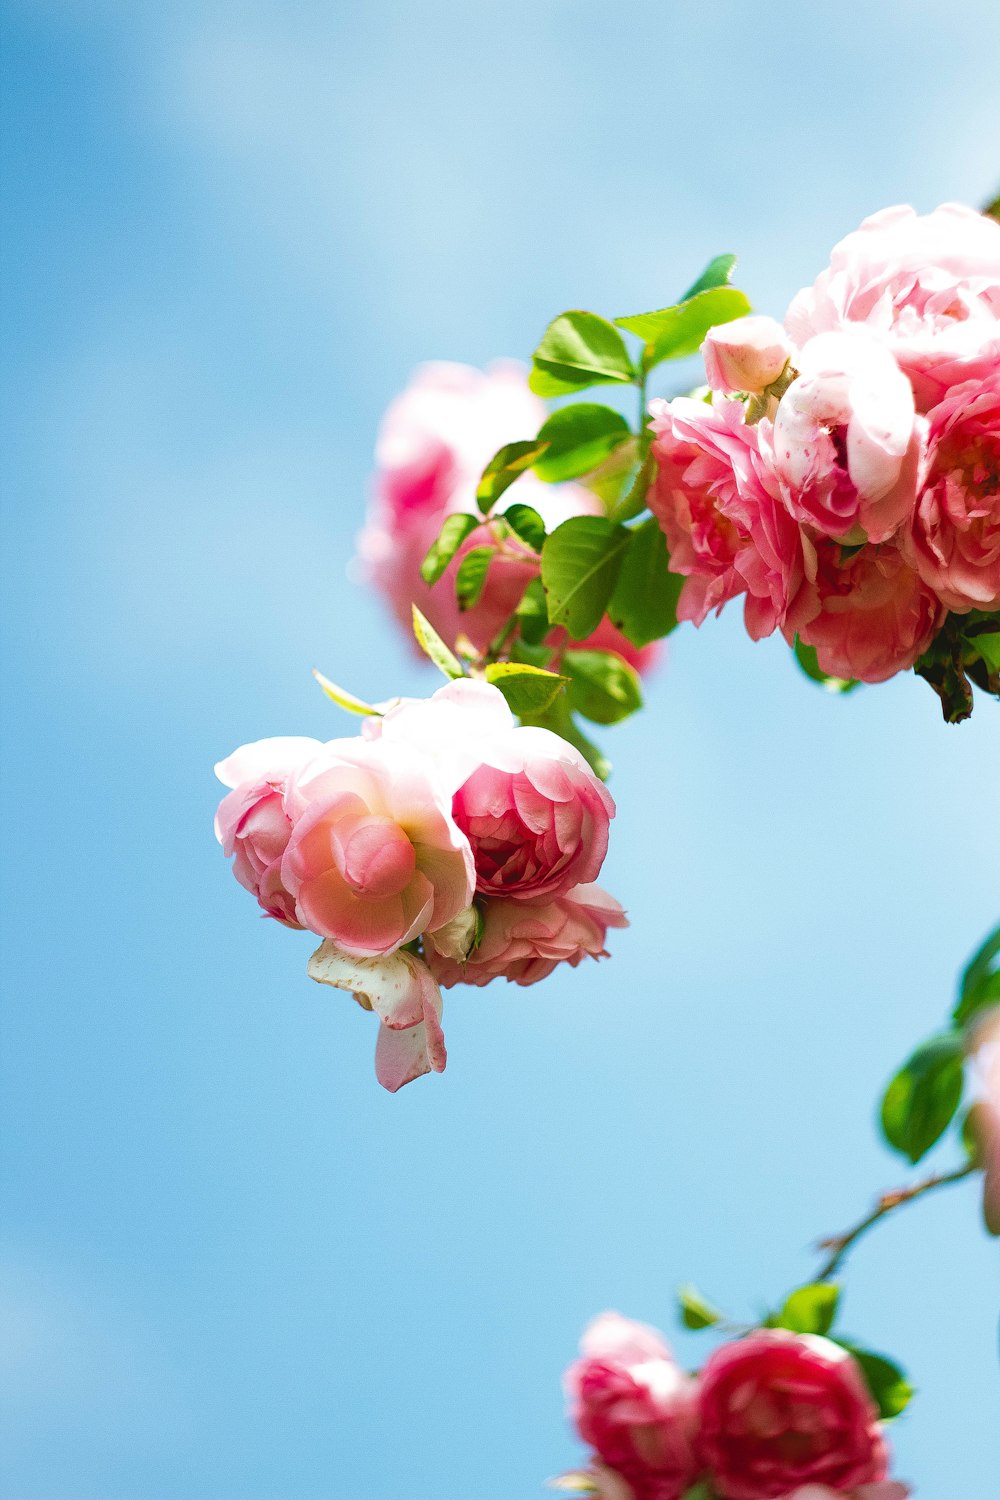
847	442
374	856
716	496
928	286
747	354
252	822
523	941
954	537
781	1410
631	1402
401	991
887	1489
869	616
984	1116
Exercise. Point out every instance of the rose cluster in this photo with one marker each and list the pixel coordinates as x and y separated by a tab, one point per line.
445	844
844	475
772	1416
434	442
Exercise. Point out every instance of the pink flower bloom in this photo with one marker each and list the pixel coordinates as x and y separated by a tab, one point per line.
717	499
847	442
401	991
746	354
252	822
374	856
954	537
523	941
928	286
887	1489
782	1410
985	1113
630	1402
868	617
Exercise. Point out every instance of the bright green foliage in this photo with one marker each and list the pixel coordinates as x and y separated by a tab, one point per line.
581	561
921	1100
579	437
579	349
980	985
528	690
533	614
603	687
527	524
806	658
988	645
454	531
891	1391
810	1309
718	272
471	576
696	1312
431	643
513	460
674	332
344	699
644	602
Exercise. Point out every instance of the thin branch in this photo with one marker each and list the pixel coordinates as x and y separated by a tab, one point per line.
839	1245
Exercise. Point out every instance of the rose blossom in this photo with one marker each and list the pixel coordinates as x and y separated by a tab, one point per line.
954	537
869	615
523	941
781	1410
984	1117
631	1402
747	354
886	1489
252	822
401	991
928	286
717	499
374	856
847	443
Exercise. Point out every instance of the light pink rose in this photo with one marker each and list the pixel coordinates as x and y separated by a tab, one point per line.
985	1114
401	991
928	286
868	616
746	354
887	1489
954	537
781	1410
374	855
847	440
716	496
252	822
523	941
635	1407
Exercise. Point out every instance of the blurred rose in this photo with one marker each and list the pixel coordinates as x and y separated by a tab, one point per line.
523	941
778	1411
746	354
887	1489
984	1117
928	286
954	537
252	822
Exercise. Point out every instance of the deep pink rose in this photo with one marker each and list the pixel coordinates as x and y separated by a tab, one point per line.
954	537
402	992
252	822
635	1407
717	499
374	856
928	286
869	616
847	441
523	941
781	1410
746	354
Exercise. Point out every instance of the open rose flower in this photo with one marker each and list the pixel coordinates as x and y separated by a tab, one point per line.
869	615
778	1411
847	441
523	941
374	857
927	285
252	822
635	1407
954	537
747	354
401	991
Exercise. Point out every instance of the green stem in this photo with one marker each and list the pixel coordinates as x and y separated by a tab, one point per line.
840	1245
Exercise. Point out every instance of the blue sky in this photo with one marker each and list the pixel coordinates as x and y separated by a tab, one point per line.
232	1268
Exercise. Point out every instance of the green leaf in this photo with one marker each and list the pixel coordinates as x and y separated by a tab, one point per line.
453	532
431	643
810	1309
578	349
890	1389
644	602
503	468
674	332
701	1491
718	272
919	1103
807	660
988	646
581	561
695	1311
533	614
528	690
579	437
344	699
471	576
527	524
980	985
603	687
